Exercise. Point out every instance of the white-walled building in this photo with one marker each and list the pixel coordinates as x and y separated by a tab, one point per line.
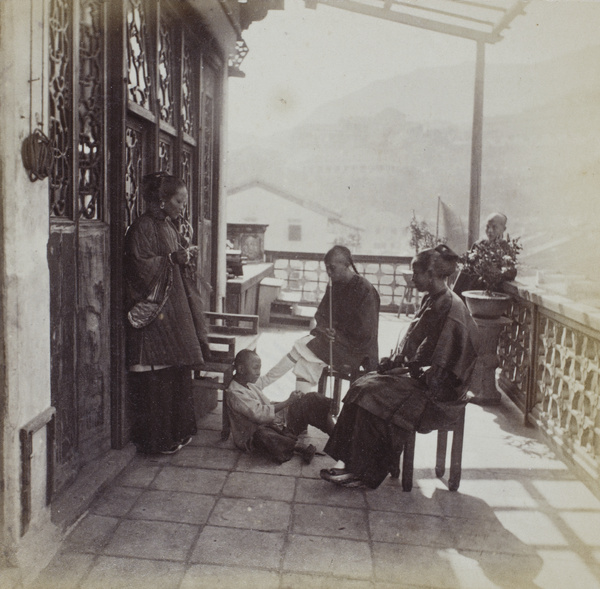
294	224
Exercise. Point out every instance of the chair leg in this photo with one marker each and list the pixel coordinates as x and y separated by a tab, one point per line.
440	457
408	459
337	395
225	424
456	454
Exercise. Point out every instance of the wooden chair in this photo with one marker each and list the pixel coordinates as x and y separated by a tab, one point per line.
338	377
410	298
408	456
228	333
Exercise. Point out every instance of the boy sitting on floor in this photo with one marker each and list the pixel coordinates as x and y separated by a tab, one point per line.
258	424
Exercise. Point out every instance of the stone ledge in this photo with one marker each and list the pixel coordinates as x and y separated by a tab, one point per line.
72	502
585	314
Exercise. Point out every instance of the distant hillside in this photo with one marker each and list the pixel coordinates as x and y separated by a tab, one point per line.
394	147
446	93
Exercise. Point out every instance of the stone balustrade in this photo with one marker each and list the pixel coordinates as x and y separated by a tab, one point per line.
304	272
550	367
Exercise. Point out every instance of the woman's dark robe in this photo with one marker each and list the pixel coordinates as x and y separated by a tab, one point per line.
176	335
380	409
164	327
355	307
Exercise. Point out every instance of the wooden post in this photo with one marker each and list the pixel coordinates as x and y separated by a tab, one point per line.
476	147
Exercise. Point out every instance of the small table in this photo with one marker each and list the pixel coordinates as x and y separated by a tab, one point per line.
241	295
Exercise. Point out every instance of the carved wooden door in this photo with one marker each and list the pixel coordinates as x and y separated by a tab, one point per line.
108	130
78	247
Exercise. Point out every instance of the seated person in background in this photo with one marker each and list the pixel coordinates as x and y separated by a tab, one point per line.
495	227
423	387
258	424
355	325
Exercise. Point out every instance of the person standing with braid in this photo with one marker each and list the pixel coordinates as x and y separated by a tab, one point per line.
352	326
165	328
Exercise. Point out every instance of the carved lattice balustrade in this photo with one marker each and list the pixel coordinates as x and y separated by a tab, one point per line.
550	367
305	273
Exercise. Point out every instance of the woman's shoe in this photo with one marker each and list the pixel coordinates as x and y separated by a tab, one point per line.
354	483
185	442
172	450
337	476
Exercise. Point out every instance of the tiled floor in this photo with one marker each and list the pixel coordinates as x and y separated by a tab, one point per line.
213	517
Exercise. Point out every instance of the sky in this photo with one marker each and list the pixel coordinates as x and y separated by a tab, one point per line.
301	58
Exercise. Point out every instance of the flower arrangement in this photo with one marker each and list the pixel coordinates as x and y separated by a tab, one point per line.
494	262
421	236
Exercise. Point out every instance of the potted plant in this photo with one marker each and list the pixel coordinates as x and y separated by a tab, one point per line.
490	263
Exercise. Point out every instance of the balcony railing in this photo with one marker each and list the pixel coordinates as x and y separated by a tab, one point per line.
550	367
305	273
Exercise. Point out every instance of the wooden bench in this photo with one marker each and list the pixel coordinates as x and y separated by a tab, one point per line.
228	334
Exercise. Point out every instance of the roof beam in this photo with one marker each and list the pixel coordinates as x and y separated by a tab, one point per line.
488	23
479	5
515	10
414	21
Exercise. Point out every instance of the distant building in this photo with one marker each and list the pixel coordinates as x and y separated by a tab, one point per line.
294	224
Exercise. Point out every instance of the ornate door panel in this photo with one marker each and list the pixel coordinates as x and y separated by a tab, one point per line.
209	181
78	248
172	115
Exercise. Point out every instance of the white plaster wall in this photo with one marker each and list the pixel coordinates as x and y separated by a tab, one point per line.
257	205
24	226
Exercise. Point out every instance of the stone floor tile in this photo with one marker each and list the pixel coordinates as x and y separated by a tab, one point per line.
325	520
322	493
138	474
254	514
420	530
532	527
562	568
217	577
153	540
211	437
256	463
390	497
65	571
296	581
259	486
313	469
92	533
491	536
116	501
10	578
130	573
329	556
423	566
212	420
480	569
235	547
584	524
192	480
173	506
463	505
567	494
204	457
506	493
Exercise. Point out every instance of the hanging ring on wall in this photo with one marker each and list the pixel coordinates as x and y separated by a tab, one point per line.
36	153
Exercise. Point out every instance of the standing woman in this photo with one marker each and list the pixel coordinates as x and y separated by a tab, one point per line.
165	328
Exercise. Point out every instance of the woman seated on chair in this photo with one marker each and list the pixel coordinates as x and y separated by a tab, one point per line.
421	388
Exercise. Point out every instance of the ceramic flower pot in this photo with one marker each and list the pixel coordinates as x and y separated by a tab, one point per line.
486	305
